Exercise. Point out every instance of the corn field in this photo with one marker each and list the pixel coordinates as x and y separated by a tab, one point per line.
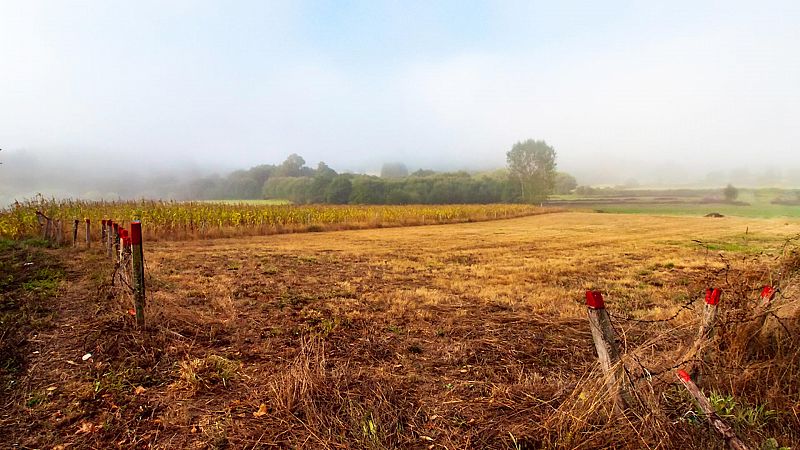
198	220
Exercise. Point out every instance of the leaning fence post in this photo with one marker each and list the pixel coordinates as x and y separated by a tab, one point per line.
607	351
711	415
706	331
88	233
75	233
138	272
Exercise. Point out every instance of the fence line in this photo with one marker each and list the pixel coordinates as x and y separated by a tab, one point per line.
122	246
621	385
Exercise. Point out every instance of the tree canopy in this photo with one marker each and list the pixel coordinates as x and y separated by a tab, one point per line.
532	164
530	178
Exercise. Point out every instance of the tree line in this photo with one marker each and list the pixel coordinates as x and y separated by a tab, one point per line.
529	178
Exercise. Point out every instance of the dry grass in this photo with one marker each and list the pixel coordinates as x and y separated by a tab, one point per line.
454	336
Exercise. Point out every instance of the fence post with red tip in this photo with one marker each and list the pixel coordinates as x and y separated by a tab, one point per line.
138	272
708	410
709	313
607	350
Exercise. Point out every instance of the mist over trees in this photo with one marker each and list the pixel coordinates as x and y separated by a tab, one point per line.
531	177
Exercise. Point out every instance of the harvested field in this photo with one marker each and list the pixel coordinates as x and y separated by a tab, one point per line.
452	336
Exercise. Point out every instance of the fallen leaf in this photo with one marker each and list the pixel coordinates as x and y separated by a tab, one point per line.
139	390
86	356
85	427
51	388
262	411
426	438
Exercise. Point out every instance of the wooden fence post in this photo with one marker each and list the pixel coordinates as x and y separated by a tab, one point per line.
706	331
123	235
138	272
110	238
59	233
115	247
88	233
607	351
44	224
711	415
75	233
103	225
709	313
754	330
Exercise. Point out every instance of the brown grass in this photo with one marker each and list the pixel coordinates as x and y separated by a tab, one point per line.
453	336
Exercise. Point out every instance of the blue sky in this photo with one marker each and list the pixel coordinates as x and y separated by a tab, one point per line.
616	87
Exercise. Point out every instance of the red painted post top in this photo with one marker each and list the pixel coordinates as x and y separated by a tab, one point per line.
684	376
86	219
123	233
712	296
126	241
594	300
105	222
115	226
767	293
136	233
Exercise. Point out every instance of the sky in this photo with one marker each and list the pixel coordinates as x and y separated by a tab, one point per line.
663	91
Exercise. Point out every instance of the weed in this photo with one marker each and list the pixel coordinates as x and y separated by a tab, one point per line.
206	373
36	398
754	417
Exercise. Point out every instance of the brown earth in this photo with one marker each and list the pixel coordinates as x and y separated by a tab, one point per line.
452	336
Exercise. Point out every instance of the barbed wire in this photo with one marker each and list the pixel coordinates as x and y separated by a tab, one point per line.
668	319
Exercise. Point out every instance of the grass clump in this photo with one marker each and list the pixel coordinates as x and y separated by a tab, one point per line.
207	373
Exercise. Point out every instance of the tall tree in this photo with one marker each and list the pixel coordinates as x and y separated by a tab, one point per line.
292	167
394	170
532	165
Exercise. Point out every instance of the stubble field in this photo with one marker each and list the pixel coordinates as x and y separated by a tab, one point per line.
451	336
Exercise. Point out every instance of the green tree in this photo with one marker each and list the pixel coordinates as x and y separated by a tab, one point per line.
323	177
368	191
338	191
532	165
292	167
565	183
730	192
